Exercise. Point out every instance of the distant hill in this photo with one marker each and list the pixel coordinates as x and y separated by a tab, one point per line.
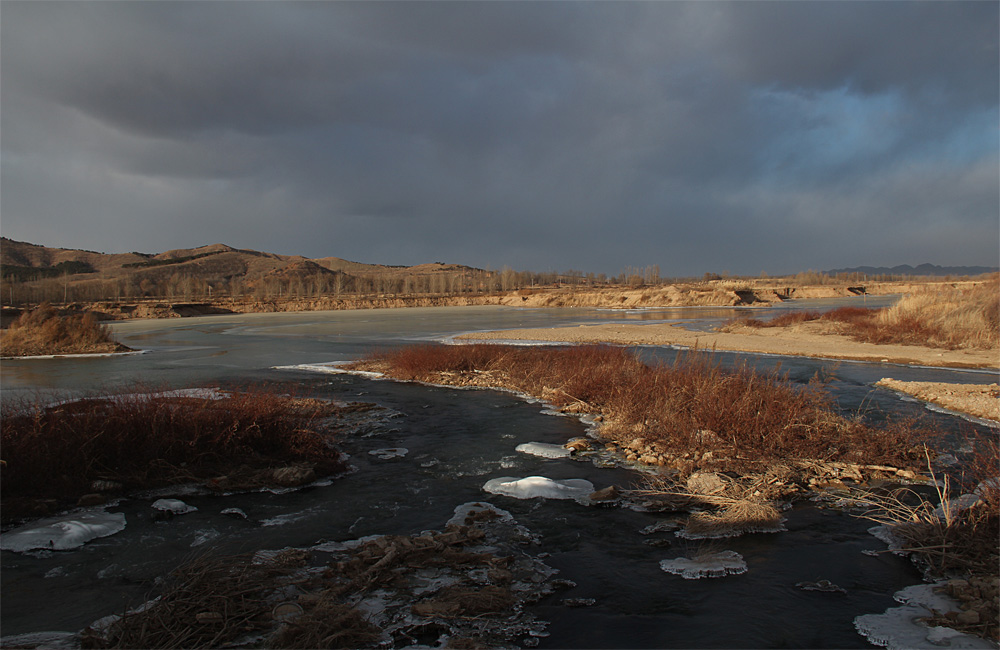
217	269
923	270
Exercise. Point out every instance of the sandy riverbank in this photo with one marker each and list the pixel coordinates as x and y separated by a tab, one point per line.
812	339
979	400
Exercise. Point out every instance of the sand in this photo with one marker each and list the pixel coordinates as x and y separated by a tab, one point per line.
811	339
979	400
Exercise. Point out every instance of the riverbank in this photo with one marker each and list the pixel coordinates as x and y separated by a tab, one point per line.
716	293
977	400
811	339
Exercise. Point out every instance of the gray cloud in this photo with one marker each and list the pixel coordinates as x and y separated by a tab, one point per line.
742	136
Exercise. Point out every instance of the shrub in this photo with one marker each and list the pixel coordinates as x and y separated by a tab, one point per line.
44	331
748	416
146	439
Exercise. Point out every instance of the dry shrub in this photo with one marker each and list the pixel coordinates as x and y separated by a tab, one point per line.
735	517
228	592
44	331
326	623
753	417
143	439
951	318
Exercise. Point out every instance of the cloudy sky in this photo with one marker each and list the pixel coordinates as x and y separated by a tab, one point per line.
699	136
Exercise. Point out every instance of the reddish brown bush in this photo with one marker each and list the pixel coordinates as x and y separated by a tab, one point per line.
144	440
751	416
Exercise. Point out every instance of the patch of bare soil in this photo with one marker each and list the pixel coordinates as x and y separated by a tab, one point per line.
979	400
808	340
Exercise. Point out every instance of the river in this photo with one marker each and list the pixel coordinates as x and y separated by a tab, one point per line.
456	440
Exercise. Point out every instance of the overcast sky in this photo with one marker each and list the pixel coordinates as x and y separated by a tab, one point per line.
699	136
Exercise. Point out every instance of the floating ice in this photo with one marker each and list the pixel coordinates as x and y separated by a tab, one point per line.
53	640
474	508
332	368
900	627
63	533
389	452
544	450
236	513
714	565
539	486
175	506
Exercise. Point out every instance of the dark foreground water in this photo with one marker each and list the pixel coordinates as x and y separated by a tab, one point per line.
456	441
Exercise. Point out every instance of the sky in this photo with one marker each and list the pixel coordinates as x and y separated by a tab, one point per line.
740	137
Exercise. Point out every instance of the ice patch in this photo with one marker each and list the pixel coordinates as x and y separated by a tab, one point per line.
63	533
202	536
900	627
331	368
540	487
715	565
53	640
475	508
389	452
175	506
544	450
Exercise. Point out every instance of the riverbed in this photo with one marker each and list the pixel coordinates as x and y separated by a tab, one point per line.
448	443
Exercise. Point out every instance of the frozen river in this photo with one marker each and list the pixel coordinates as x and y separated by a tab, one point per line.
455	441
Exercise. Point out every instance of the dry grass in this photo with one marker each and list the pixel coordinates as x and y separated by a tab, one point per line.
691	406
43	331
942	318
143	440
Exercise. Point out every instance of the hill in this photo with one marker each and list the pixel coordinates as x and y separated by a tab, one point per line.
39	273
923	270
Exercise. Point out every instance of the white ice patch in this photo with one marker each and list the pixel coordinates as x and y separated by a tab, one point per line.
331	368
175	506
53	640
900	627
544	450
538	486
473	507
389	452
203	536
715	565
63	533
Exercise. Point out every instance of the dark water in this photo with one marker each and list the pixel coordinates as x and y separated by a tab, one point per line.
456	441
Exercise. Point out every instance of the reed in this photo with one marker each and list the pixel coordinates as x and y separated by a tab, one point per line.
691	406
146	439
43	331
951	318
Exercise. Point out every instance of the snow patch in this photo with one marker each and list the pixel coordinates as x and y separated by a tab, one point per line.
540	487
544	450
63	533
715	565
900	627
175	506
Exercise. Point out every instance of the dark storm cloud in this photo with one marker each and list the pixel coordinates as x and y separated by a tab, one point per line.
740	136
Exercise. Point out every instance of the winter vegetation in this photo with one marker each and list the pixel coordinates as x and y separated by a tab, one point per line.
43	331
52	454
692	411
952	318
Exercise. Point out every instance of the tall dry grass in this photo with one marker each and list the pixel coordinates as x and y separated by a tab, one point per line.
43	331
951	318
144	440
690	406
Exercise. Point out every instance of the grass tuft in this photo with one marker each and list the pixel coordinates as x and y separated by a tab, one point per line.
43	331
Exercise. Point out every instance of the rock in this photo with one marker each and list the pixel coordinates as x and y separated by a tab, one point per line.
906	474
91	500
293	476
705	483
609	493
969	617
578	444
649	459
639	444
